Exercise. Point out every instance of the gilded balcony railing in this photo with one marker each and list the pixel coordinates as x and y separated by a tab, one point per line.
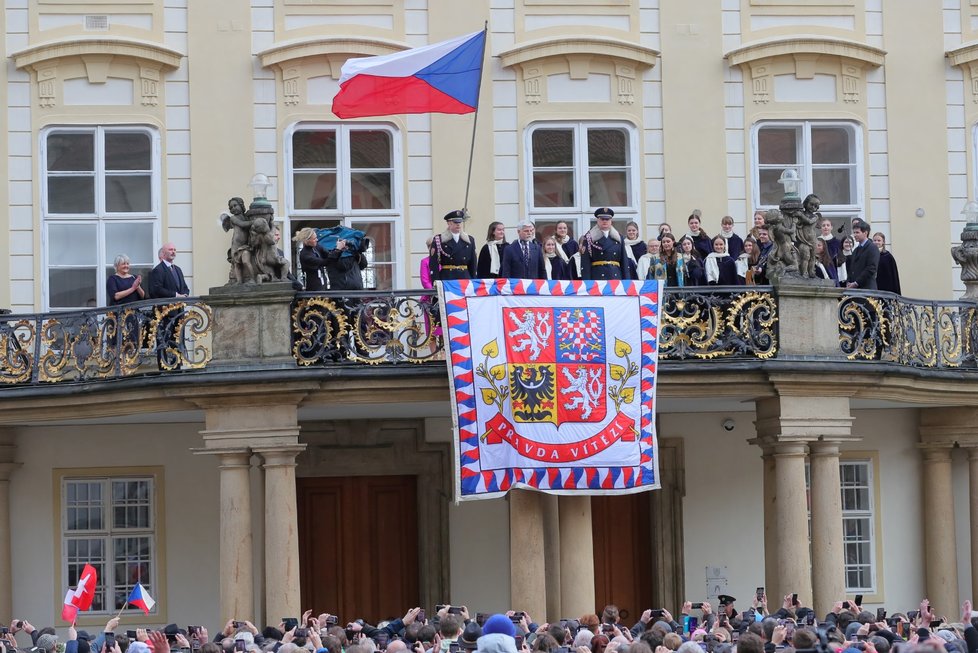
104	343
366	327
719	322
404	327
886	327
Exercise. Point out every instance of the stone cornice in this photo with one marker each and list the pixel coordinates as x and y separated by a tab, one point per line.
963	54
566	45
104	45
806	44
288	51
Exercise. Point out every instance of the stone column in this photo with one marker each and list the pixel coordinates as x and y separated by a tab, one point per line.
576	556
527	564
237	585
794	564
940	551
828	555
551	555
973	512
770	520
238	424
282	597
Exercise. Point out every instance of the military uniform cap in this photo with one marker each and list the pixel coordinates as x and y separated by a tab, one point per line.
604	212
457	215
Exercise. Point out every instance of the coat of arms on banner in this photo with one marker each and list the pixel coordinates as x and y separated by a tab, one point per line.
554	385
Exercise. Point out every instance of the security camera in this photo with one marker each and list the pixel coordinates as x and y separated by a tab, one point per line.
729	424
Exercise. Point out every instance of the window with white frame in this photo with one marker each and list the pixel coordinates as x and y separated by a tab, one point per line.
828	157
100	198
110	523
574	168
858	523
349	174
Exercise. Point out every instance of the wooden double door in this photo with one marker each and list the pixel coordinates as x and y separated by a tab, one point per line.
358	545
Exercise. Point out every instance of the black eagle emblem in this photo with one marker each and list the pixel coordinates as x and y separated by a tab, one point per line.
533	390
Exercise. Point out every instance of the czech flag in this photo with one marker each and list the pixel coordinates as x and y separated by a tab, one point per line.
82	596
439	78
140	598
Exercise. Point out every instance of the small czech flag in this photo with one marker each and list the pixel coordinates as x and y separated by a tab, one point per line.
141	598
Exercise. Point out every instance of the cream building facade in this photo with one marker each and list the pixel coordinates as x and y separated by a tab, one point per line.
130	124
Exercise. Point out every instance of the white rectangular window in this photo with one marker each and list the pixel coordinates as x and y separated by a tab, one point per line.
100	198
574	168
858	525
110	523
827	155
349	174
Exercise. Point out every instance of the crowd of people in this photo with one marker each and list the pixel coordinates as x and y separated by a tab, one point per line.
694	258
699	628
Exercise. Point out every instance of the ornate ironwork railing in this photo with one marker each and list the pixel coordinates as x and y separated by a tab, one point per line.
403	327
366	327
918	333
121	341
719	322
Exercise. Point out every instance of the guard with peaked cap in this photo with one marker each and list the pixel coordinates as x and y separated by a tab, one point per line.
603	255
454	254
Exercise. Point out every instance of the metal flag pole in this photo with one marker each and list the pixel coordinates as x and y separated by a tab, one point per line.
475	118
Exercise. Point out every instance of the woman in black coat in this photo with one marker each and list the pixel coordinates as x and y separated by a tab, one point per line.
312	259
557	269
491	254
887	274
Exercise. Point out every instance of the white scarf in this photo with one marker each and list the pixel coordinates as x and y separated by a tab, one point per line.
560	249
628	248
494	255
713	266
742	264
726	233
826	238
825	274
693	236
644	263
576	262
549	268
843	274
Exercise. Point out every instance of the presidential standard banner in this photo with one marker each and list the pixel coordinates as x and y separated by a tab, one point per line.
553	385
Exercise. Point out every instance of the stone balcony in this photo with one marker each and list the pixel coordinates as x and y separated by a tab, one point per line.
277	334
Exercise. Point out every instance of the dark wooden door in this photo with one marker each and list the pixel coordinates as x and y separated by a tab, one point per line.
358	546
622	554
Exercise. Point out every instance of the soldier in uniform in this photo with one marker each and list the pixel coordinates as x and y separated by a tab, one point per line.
603	254
455	254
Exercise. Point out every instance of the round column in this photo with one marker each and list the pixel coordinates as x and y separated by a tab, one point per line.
770	520
527	564
576	556
940	552
791	507
282	597
828	556
973	510
237	586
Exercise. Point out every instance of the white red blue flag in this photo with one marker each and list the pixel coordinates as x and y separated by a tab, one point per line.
439	78
553	385
140	598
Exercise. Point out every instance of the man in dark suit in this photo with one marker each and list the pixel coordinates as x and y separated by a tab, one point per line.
523	258
166	279
603	255
862	264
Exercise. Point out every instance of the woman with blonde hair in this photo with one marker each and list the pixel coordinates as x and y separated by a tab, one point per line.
312	258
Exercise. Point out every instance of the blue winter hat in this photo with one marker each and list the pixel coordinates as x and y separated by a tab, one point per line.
499	623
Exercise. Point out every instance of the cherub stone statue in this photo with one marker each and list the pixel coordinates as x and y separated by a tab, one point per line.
253	256
782	258
805	236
